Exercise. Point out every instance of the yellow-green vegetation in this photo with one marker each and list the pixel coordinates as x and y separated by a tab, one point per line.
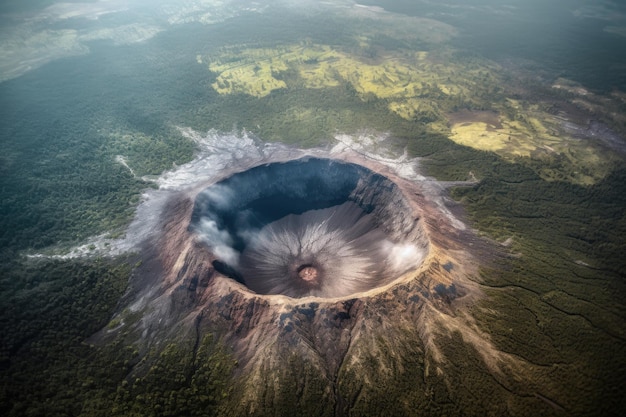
413	83
251	73
524	130
418	86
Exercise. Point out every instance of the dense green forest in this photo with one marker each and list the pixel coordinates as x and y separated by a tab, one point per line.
49	366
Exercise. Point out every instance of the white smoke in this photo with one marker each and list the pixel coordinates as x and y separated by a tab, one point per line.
403	256
222	154
219	241
342	243
217	153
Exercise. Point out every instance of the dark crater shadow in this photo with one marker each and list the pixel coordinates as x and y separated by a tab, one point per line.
309	227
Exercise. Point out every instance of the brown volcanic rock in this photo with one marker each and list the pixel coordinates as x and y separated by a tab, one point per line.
326	350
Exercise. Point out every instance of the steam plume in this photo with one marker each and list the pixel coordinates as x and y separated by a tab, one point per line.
341	246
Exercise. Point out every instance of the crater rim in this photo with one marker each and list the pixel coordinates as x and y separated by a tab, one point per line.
364	186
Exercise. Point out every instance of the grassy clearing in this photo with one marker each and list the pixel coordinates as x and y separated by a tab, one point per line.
535	134
411	82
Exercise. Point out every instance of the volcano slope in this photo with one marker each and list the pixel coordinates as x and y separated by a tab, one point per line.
337	284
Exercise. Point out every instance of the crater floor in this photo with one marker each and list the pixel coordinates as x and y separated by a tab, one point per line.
309	227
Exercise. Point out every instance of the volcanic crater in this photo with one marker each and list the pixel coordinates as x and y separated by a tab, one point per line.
309	227
327	257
